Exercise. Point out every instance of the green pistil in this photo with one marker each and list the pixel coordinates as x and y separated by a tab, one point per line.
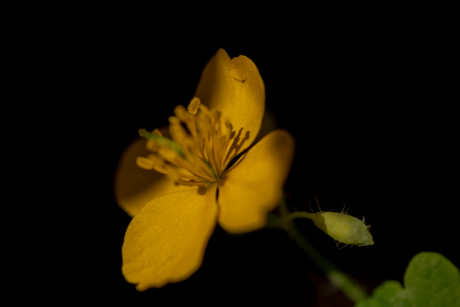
161	141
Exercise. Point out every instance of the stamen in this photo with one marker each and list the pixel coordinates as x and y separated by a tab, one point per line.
197	154
179	135
201	165
235	147
212	141
203	124
182	114
187	118
172	157
144	163
194	105
157	132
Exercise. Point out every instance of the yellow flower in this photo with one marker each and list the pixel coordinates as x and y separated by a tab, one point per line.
195	182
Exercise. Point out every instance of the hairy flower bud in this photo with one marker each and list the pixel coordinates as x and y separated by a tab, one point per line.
343	228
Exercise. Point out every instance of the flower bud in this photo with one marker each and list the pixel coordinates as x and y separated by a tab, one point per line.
343	228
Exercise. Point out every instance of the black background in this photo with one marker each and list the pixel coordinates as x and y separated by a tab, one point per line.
368	102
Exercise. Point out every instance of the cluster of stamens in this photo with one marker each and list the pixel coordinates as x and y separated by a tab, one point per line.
201	147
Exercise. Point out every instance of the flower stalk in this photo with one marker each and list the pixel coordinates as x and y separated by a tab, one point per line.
346	284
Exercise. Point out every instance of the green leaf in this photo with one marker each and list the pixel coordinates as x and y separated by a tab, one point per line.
430	280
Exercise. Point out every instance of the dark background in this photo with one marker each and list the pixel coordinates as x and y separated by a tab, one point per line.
368	102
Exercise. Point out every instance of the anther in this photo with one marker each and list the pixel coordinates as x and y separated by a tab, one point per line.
157	132
182	114
144	163
194	105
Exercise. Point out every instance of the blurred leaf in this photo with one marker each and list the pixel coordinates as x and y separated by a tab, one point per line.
430	280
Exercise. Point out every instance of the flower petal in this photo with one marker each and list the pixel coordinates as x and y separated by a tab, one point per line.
165	242
253	185
134	187
236	89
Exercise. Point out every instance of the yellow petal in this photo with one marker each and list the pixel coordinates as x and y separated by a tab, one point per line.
236	89
166	240
253	186
134	187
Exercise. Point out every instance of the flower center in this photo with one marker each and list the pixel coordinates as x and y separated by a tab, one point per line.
201	148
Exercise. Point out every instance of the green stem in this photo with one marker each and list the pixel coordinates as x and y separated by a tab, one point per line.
346	284
295	215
